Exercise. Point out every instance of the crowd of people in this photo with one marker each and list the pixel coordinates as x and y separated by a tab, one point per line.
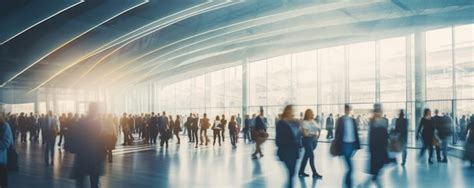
293	135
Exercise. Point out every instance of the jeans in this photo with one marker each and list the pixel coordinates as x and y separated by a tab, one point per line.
330	135
348	152
442	149
49	151
309	144
247	136
423	149
404	155
232	136
290	165
217	134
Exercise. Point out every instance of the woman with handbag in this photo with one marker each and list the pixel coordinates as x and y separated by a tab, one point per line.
216	129
288	141
6	141
233	131
259	132
311	131
427	129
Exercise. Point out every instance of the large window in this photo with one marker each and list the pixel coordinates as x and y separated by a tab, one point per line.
464	61
393	69
279	79
258	83
361	58
439	64
332	75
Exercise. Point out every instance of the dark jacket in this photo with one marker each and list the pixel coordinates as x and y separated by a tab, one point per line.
427	129
287	139
401	127
90	147
340	134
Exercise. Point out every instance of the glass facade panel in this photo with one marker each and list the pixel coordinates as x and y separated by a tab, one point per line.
332	75
393	69
361	58
439	74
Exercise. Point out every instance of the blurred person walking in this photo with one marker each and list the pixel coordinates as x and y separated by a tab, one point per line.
259	133
50	133
216	129
6	142
329	126
233	131
346	141
469	146
288	141
378	142
401	127
427	129
311	132
89	147
110	136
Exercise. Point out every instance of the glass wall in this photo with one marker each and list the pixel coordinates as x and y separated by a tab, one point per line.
324	79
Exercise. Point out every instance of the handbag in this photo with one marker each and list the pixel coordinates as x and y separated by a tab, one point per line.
334	149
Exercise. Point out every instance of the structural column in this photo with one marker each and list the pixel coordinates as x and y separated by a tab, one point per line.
420	75
245	86
347	92
408	79
318	84
377	71
37	102
47	100
453	60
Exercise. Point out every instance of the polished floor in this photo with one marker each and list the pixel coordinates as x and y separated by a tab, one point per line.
221	167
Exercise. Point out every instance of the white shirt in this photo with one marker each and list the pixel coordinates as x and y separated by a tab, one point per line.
349	134
311	126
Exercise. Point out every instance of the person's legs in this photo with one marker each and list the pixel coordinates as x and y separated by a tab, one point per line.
404	156
190	135
303	163
222	134
438	153
219	137
205	136
201	135
430	148
291	166
177	136
444	149
94	180
60	139
348	151
3	177
214	135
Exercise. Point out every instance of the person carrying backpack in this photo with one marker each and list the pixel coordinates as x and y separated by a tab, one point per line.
6	141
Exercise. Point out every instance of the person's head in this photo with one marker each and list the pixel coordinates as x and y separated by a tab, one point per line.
436	112
261	111
347	109
378	111
50	113
288	112
330	115
238	115
308	114
232	118
218	117
205	115
164	113
427	112
401	114
124	114
223	116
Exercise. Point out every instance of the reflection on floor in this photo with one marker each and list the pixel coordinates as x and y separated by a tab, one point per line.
186	166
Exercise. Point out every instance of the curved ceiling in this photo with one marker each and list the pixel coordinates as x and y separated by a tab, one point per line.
117	43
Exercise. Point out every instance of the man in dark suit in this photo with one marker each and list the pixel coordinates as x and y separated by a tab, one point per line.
329	126
347	140
153	128
189	122
163	128
50	133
